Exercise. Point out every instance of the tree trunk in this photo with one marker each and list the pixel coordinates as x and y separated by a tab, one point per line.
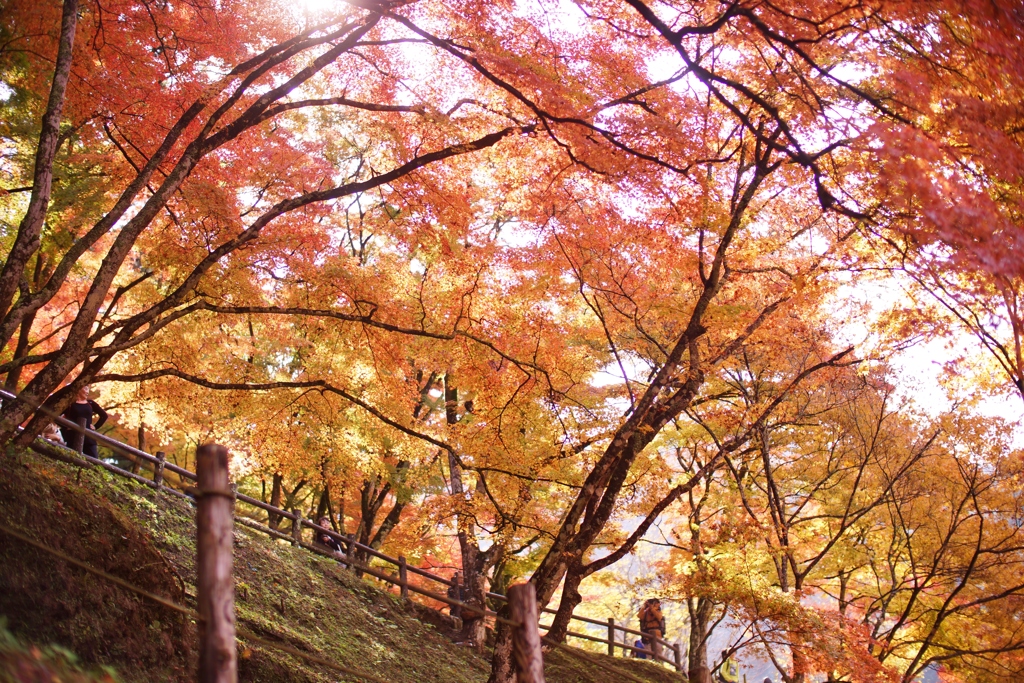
571	599
340	528
473	625
275	499
27	241
801	666
700	610
387	525
291	498
371	498
502	663
323	507
21	349
500	581
578	532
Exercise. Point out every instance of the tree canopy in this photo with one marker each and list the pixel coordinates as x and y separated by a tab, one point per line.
549	277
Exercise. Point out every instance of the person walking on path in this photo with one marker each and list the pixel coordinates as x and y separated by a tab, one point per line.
83	409
652	623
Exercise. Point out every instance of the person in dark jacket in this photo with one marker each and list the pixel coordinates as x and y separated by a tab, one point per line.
456	591
324	539
83	409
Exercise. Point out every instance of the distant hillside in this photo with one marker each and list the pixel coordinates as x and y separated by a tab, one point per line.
283	594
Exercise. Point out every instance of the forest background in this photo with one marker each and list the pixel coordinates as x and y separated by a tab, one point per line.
524	287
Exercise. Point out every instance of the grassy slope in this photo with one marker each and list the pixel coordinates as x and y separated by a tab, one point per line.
283	594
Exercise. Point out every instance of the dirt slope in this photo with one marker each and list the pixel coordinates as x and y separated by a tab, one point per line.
283	594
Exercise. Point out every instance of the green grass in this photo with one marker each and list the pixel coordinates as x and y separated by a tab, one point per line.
283	594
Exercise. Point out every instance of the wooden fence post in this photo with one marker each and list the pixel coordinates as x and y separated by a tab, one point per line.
679	657
351	554
403	576
297	527
611	636
158	470
522	599
215	585
78	436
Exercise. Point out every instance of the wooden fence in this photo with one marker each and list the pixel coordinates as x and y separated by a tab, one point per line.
159	466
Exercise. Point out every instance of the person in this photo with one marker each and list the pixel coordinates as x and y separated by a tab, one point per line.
652	623
52	434
83	409
729	671
324	539
456	591
639	653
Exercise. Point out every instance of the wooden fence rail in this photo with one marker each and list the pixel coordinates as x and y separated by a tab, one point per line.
160	466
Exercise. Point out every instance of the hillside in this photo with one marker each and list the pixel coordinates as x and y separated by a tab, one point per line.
283	594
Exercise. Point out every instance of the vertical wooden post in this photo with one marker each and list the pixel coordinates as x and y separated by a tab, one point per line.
351	554
403	576
679	656
611	636
158	470
522	599
296	527
78	436
215	586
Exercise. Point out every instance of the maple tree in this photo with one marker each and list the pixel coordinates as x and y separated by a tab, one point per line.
949	187
833	568
758	137
487	267
189	210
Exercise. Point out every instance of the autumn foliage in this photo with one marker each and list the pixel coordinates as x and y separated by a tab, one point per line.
519	287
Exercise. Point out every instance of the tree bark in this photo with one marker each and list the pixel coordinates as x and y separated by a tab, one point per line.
502	663
27	241
387	525
275	500
473	561
700	611
24	336
571	599
324	505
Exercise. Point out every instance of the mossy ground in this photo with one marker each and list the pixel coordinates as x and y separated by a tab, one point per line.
283	594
